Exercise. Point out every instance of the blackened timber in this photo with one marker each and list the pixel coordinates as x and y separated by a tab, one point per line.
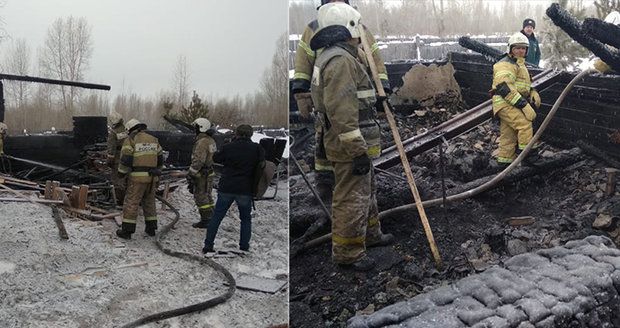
490	53
573	28
453	127
605	32
26	78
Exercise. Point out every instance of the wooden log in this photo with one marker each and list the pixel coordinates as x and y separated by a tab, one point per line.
82	197
20	200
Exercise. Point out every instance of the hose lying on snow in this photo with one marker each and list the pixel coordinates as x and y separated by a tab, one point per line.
232	284
490	183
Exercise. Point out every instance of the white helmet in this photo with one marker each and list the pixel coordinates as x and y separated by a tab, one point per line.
340	13
202	123
115	118
3	127
518	39
613	18
133	123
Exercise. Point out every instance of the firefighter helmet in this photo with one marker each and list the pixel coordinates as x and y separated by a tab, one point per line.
338	13
324	2
115	118
518	39
3	128
202	123
613	18
134	124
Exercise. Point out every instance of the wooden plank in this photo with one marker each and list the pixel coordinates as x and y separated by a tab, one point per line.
82	197
48	194
23	200
73	196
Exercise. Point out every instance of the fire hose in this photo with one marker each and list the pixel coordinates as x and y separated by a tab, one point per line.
485	186
232	285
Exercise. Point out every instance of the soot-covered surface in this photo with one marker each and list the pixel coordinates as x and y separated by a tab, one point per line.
471	235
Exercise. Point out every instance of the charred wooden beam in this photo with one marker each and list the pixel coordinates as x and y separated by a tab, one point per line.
489	53
573	28
454	127
605	32
25	78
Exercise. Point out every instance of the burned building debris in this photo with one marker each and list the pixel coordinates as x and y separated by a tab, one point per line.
559	211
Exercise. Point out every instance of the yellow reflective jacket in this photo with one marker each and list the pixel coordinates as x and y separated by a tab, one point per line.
344	97
305	57
140	154
513	72
202	154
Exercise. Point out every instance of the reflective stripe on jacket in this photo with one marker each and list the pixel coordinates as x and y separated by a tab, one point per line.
202	154
140	153
513	72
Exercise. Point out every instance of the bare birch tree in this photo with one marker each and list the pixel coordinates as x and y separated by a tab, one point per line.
181	81
66	55
17	61
274	84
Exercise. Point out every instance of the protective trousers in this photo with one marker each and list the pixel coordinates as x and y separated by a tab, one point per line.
515	131
119	184
355	216
140	193
203	196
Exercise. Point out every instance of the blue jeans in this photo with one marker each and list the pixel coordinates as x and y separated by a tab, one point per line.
224	201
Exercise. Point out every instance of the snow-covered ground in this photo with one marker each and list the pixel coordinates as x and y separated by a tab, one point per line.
95	279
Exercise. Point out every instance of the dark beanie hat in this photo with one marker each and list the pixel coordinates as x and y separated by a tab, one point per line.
244	131
530	22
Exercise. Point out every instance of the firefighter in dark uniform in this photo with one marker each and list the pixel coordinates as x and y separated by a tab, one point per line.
304	64
200	174
116	136
344	98
141	160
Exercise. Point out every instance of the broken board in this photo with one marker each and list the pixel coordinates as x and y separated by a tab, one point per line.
259	284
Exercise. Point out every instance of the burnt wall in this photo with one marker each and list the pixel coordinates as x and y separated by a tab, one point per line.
591	111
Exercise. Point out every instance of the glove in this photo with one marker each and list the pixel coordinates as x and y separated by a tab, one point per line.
361	165
304	103
534	99
601	66
155	172
190	184
529	112
379	104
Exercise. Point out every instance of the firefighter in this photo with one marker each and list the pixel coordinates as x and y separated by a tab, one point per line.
344	99
142	160
304	63
116	136
599	65
3	130
200	175
513	98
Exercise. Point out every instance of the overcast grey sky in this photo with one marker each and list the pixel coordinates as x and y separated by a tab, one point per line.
228	43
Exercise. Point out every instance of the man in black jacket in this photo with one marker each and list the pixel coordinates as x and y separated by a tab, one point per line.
240	159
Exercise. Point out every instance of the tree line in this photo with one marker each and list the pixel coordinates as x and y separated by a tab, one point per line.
66	55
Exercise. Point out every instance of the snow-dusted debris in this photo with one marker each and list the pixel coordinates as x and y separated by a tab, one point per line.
564	286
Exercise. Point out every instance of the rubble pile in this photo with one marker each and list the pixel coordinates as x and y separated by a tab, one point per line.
539	210
565	286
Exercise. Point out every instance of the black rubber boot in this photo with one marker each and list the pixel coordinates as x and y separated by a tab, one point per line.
123	234
385	240
364	264
150	228
206	250
205	216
